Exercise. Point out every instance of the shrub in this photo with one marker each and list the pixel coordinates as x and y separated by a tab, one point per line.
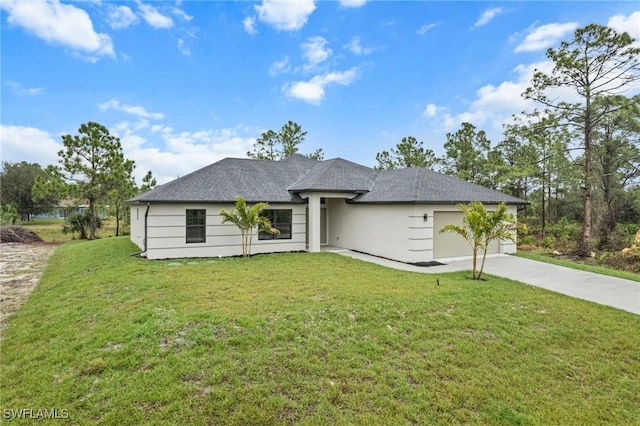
527	240
8	214
548	241
634	250
622	236
623	262
523	230
78	223
566	230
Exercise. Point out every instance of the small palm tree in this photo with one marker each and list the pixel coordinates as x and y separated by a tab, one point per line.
247	219
480	227
78	223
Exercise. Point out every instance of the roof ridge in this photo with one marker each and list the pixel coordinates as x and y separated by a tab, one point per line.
417	182
302	176
332	160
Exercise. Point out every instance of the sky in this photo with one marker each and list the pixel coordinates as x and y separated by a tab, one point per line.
186	83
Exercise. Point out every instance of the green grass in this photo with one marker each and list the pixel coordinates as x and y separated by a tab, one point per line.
310	339
603	270
50	230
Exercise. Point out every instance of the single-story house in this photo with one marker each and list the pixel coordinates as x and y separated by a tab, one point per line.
389	213
68	207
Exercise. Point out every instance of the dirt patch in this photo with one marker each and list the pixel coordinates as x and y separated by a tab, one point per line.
18	234
21	267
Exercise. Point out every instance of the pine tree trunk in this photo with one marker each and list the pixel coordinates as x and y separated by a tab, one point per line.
584	247
92	220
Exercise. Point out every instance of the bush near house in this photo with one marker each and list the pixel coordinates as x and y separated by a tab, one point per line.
560	243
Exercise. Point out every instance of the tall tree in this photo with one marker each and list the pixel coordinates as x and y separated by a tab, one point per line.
291	135
519	161
123	188
598	62
272	145
546	144
148	182
16	181
90	166
468	155
266	147
408	153
617	147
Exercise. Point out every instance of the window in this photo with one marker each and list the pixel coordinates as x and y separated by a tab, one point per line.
196	226
281	220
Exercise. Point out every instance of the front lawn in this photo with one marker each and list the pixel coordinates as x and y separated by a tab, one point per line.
309	339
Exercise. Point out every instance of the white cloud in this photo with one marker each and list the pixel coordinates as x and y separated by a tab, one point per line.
183	48
494	105
545	36
58	23
629	24
250	25
174	154
154	17
20	90
352	3
315	51
280	67
430	111
179	153
121	17
181	14
313	92
21	143
136	110
426	27
285	15
487	16
355	47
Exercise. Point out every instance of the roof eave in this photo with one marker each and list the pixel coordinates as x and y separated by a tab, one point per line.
440	202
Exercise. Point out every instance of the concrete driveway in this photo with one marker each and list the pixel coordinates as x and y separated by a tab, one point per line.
610	291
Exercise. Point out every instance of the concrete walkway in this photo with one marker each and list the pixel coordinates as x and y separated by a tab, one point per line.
610	291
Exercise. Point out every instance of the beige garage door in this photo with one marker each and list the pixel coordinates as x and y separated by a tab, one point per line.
451	244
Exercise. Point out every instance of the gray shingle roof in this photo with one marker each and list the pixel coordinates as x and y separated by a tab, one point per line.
336	175
420	185
254	180
280	181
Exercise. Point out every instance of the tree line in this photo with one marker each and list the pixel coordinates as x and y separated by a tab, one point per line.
577	159
91	169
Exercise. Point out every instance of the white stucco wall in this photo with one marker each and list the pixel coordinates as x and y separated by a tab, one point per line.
136	212
394	231
166	233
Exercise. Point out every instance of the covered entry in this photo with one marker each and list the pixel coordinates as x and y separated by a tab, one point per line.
323	225
451	244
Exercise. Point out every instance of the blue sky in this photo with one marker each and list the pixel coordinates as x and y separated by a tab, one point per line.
187	83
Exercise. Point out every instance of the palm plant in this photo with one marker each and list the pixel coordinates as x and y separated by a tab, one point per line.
78	223
248	218
480	227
